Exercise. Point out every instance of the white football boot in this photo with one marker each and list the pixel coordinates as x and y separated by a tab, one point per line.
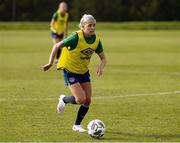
78	128
61	104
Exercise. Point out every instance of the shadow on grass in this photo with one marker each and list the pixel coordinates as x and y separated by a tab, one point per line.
118	136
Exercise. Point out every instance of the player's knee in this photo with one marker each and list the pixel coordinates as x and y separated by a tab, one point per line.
81	100
88	101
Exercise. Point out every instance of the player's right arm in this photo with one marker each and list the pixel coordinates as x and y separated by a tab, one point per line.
70	42
52	56
52	26
52	23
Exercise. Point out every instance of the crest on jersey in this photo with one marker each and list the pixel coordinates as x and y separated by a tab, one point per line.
88	52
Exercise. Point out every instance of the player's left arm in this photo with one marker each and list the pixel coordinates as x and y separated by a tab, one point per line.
101	66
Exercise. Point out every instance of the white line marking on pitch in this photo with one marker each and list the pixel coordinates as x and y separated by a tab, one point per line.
97	97
149	72
140	94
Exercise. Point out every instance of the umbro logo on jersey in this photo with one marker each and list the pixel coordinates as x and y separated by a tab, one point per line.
88	51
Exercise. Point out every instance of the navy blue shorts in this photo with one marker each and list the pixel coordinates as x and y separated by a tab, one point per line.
57	36
71	78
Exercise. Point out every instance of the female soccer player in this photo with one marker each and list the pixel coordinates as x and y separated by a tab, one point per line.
74	61
59	25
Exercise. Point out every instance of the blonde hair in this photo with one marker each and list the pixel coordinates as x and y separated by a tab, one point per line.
85	18
63	5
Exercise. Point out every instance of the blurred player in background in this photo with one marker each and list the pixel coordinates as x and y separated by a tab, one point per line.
59	25
75	58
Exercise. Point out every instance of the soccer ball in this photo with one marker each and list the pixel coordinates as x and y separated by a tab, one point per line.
96	128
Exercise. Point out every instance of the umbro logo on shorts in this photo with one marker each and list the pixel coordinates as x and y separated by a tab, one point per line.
88	51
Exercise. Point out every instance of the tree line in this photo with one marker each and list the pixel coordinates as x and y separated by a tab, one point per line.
103	10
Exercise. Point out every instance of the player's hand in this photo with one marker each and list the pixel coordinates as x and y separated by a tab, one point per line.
99	71
46	67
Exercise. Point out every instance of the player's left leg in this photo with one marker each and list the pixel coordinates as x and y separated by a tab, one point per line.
88	92
84	107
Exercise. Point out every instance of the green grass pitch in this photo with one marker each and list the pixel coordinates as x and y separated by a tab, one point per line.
138	97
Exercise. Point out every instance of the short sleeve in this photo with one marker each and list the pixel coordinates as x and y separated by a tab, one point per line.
99	48
54	17
71	41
